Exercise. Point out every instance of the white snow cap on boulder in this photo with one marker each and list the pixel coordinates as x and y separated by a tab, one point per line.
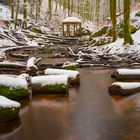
72	19
49	80
13	81
127	85
70	73
128	71
7	103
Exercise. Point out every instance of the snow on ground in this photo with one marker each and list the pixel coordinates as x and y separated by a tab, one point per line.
88	25
5	13
7	103
6	42
69	73
49	80
117	47
127	85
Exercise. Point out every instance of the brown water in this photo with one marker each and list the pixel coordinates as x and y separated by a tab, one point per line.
87	113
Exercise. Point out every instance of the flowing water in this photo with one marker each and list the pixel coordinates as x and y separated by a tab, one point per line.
86	113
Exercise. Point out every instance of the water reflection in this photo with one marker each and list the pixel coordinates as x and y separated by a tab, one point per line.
10	128
86	113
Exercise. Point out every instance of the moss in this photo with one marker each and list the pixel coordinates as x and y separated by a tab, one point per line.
101	32
8	114
101	41
58	88
121	31
35	30
73	82
73	67
14	93
7	23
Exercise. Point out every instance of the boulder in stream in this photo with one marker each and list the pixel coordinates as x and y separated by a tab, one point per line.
50	84
14	87
9	110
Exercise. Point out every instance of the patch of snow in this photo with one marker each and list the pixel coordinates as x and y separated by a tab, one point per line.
128	71
13	81
70	73
49	80
32	43
127	85
117	47
6	42
69	64
7	103
31	63
88	25
72	19
11	63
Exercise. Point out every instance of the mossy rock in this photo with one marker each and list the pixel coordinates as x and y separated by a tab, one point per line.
74	82
36	30
57	88
101	32
74	67
14	93
99	41
7	23
121	32
137	14
9	114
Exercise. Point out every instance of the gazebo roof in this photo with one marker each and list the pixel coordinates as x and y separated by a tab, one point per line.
72	20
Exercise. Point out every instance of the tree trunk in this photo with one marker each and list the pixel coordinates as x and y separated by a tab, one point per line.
24	26
12	9
17	11
127	35
113	18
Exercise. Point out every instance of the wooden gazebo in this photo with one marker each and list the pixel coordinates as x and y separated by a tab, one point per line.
72	26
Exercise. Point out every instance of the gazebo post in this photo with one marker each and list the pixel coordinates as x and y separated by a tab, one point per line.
74	30
80	26
63	29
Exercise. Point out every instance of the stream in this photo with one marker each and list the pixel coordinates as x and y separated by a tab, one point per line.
88	112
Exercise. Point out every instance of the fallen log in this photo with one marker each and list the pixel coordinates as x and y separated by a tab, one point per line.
124	88
22	56
73	76
32	66
126	74
13	39
9	110
7	64
49	84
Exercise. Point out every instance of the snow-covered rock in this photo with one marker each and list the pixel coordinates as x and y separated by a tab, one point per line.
70	73
7	103
50	80
50	84
127	85
14	87
9	110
